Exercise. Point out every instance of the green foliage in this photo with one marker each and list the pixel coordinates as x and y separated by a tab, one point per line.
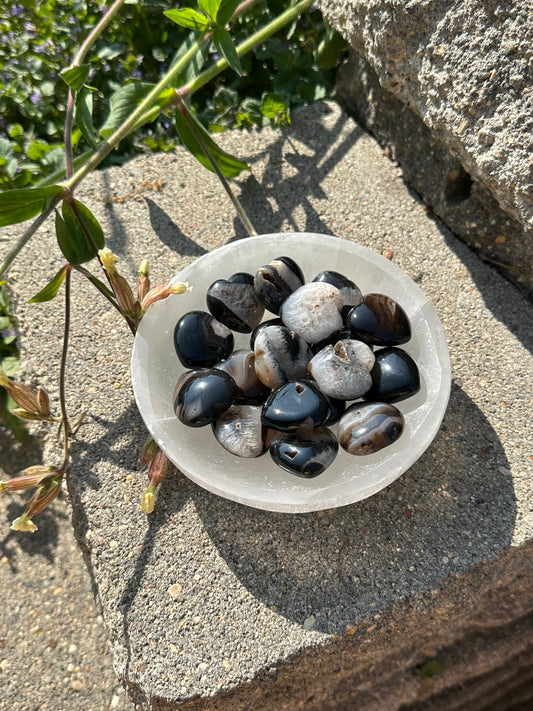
79	234
37	41
19	205
430	668
189	129
50	290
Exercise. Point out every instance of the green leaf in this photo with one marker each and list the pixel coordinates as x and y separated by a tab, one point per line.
274	107
228	164
51	289
84	116
124	101
71	235
194	67
187	17
8	161
224	44
75	77
210	7
225	10
431	667
10	365
19	205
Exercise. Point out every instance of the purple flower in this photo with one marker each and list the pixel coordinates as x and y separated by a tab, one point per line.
35	97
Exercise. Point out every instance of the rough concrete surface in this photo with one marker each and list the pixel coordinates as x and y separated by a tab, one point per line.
461	72
213	605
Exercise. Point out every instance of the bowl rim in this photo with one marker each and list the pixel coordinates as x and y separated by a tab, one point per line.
160	310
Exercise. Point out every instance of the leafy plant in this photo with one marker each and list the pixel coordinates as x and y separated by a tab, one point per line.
80	237
292	68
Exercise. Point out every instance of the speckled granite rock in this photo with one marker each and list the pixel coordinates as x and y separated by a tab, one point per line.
210	605
448	87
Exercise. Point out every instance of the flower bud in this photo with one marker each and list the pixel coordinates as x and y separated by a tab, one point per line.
48	490
44	402
108	259
144	281
148	452
33	476
387	253
162	292
148	500
22	395
123	292
23	523
158	469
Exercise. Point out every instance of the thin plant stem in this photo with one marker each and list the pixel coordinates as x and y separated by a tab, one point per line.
69	118
255	39
133	121
78	60
236	203
62	379
97	31
59	174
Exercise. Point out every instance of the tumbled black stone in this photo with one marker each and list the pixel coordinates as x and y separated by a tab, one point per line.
367	427
280	355
275	281
351	293
295	404
264	324
241	366
379	321
201	341
336	410
233	302
306	454
341	335
395	376
201	396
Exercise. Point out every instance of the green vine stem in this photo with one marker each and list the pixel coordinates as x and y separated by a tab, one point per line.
62	378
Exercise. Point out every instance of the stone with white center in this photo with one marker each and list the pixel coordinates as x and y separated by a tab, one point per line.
342	371
239	431
313	311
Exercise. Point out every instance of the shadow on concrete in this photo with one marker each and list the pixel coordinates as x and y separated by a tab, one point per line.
170	234
130	431
501	296
454	508
274	201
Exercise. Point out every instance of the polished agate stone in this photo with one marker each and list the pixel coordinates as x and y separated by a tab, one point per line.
262	325
342	371
274	282
342	335
395	376
294	404
233	302
380	321
351	293
241	366
313	311
307	453
368	427
201	396
201	341
336	410
280	355
240	431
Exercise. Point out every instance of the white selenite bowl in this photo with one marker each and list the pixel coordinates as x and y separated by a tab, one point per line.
259	482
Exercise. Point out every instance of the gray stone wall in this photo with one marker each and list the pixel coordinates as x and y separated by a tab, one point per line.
447	87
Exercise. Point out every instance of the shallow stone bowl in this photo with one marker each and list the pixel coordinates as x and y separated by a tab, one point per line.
259	482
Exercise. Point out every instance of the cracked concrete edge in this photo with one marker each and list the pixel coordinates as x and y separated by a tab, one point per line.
482	642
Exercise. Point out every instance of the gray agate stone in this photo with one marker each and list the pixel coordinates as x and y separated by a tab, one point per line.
239	431
280	355
342	371
313	311
367	428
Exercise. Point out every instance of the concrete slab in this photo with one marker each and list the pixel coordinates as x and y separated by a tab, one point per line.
212	605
